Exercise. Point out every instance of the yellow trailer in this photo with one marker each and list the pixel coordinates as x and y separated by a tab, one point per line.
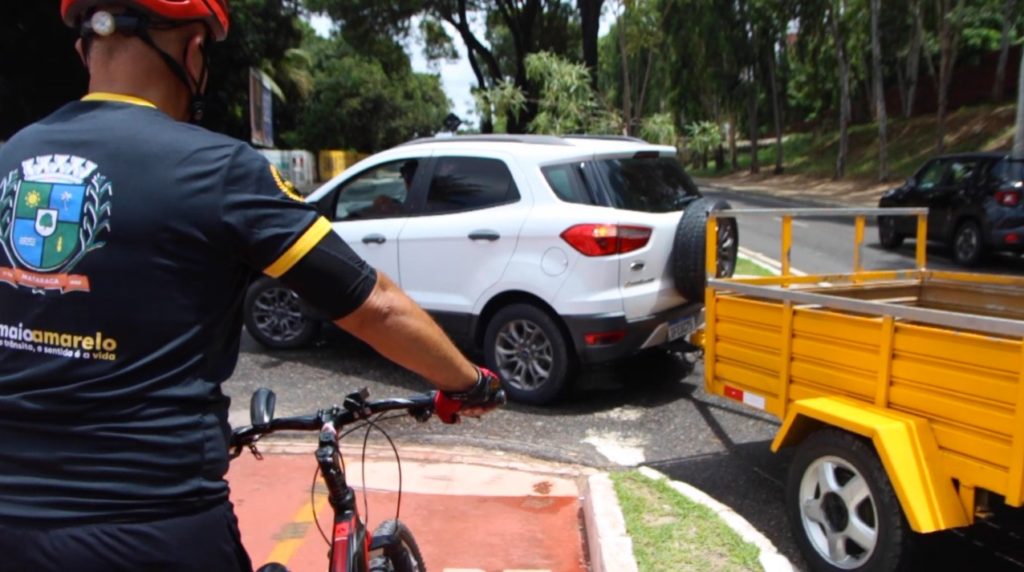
902	389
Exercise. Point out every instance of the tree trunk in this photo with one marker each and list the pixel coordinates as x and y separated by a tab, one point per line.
627	107
776	110
947	57
876	64
844	88
913	60
999	88
1018	134
734	160
755	165
590	24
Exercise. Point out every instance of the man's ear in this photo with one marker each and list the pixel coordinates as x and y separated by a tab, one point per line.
195	59
80	48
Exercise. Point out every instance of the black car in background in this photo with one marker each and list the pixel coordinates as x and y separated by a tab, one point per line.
974	200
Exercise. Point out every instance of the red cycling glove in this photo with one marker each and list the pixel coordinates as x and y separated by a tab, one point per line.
482	397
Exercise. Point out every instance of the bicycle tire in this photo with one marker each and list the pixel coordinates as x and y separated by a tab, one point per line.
401	556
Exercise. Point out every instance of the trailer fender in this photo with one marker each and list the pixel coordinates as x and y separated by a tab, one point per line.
904	443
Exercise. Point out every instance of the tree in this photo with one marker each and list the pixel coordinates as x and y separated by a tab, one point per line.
360	102
1009	18
566	103
1018	134
876	75
365	20
590	23
837	9
949	17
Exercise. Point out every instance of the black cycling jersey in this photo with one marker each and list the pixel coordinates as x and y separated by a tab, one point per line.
127	240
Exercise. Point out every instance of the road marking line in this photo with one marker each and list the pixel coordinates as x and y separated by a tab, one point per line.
291	535
766	261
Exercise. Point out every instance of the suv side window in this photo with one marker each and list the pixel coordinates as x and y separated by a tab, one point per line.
567	183
469	183
380	192
931	175
961	171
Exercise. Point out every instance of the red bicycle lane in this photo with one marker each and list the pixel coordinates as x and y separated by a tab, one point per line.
470	511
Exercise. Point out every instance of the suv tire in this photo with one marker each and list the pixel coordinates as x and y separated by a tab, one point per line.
528	350
888	236
688	249
967	245
275	316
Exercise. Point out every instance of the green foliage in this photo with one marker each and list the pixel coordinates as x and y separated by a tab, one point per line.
262	33
500	102
566	102
703	137
661	128
360	103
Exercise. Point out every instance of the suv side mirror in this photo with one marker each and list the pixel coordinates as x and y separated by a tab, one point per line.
261	408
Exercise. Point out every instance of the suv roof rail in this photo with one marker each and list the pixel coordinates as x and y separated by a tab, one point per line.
606	137
493	138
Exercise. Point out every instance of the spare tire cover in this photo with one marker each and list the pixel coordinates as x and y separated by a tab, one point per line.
688	248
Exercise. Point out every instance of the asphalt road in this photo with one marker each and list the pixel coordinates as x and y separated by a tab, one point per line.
648	410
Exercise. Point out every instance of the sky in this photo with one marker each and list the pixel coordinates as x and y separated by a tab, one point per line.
456	76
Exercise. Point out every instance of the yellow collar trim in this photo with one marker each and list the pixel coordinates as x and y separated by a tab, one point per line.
105	96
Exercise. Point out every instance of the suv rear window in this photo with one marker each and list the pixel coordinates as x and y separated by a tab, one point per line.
567	182
1008	171
647	184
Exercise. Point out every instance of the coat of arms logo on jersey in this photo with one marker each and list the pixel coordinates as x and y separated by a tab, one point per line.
54	210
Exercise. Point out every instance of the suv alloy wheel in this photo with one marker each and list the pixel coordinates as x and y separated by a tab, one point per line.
528	350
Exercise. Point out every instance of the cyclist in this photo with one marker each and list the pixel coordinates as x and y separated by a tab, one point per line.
127	238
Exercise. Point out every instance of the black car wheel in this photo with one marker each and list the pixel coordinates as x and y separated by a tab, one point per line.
888	236
274	317
528	350
968	247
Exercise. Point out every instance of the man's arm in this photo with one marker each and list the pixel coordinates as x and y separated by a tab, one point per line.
401	331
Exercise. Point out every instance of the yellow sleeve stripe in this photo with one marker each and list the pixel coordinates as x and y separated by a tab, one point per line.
300	248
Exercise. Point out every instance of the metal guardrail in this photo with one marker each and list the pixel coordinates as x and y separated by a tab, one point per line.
787	216
957	320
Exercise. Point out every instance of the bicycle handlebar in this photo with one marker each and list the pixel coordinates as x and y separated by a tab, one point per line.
421	406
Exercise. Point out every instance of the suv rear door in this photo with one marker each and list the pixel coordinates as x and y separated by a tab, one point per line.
464	233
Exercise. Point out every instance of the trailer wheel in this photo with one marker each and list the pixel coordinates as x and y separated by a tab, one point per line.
842	507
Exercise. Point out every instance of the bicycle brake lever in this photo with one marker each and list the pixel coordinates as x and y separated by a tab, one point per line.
255	451
421	414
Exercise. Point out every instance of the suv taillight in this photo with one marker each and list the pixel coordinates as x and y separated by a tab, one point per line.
606	239
1008	197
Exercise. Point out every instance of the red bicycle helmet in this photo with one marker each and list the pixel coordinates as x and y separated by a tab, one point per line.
214	13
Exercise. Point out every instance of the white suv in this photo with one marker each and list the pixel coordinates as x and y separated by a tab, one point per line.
545	252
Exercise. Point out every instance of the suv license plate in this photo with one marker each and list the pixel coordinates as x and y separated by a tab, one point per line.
681	327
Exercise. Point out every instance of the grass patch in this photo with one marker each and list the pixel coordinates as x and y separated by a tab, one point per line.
671	532
746	267
911	143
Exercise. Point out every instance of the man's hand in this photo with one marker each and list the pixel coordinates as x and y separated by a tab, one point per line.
484	396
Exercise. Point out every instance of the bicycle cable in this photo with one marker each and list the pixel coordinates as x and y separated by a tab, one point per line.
369	423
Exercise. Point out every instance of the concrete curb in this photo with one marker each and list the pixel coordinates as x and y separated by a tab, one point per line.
770	558
609	546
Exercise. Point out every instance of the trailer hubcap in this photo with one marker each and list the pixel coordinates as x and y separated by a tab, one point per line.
838	512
